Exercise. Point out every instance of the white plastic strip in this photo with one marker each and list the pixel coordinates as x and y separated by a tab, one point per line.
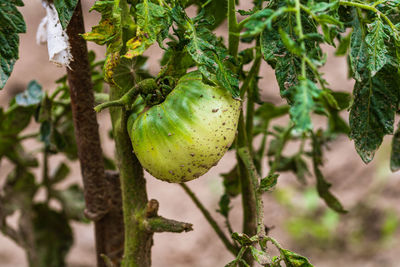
50	31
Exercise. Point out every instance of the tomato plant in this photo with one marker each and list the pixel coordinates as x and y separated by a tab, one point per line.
204	99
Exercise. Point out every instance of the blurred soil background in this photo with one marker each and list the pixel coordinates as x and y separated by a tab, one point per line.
368	235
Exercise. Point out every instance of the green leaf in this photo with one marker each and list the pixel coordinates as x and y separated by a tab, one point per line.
395	154
130	71
217	9
52	236
223	204
269	182
287	64
322	185
295	260
268	111
260	256
176	61
19	190
153	22
45	133
243	239
16	153
60	173
72	201
344	46
304	104
31	96
65	9
291	45
15	119
372	113
359	55
376	48
301	168
231	182
206	50
11	24
261	19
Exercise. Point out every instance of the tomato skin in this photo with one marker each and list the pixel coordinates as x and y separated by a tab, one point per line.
184	136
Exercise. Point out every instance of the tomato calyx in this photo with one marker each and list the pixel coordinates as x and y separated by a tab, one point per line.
156	95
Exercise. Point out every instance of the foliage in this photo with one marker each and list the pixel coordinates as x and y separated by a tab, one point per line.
289	36
11	24
44	231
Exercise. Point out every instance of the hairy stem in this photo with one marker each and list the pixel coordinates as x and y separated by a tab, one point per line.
233	28
248	200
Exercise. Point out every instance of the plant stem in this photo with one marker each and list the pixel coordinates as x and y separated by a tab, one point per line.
250	98
45	173
90	154
233	28
138	241
248	200
255	180
301	38
145	86
210	220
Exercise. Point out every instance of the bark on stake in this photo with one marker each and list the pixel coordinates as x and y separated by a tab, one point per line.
100	207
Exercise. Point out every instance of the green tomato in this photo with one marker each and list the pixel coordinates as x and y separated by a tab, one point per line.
187	134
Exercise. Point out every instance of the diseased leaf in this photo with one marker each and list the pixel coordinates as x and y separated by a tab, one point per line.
290	45
372	113
260	256
218	9
395	155
19	190
358	50
322	185
52	236
109	30
376	48
153	23
268	182
65	9
206	50
286	62
231	182
15	119
11	24
176	61
304	104
243	239
295	260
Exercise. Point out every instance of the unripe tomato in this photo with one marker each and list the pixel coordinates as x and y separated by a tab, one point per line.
184	136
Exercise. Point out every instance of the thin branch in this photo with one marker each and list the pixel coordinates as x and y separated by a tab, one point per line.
160	224
210	220
12	234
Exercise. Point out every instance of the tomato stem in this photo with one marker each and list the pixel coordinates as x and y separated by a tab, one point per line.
146	87
231	247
